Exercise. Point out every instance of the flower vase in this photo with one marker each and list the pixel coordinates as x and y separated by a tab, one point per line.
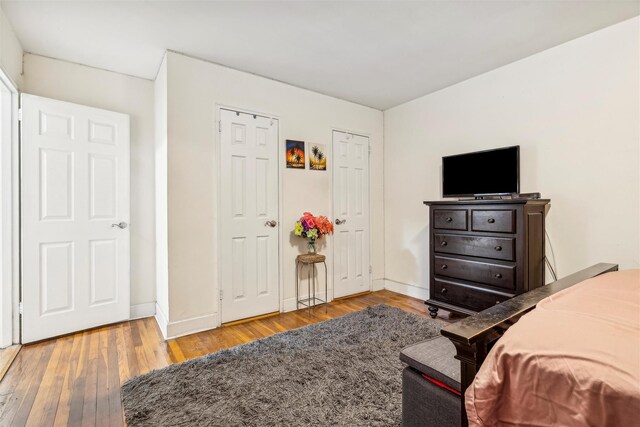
311	245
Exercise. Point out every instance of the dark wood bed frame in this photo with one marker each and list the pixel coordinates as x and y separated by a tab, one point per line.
474	336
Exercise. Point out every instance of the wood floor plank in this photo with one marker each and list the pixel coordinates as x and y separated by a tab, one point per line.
90	401
46	402
7	355
176	352
102	381
77	393
13	386
27	394
75	380
130	350
70	375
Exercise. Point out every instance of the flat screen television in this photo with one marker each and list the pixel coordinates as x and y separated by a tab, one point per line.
482	173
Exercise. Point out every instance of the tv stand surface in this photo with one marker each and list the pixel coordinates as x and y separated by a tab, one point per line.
517	196
483	198
487	202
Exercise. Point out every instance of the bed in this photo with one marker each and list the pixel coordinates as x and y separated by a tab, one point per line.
574	360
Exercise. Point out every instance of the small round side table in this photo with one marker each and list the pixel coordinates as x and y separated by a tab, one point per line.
310	260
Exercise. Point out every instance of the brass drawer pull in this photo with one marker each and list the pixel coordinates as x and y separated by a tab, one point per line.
444	290
498	276
491	220
498	248
443	243
443	266
449	219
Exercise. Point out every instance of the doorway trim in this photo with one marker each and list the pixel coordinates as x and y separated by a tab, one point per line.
333	207
10	232
218	205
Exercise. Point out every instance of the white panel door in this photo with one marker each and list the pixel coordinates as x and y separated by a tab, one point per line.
75	214
351	214
249	268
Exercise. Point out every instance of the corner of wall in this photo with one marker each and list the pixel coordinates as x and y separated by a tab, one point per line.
406	289
10	51
161	196
190	326
377	285
140	311
161	320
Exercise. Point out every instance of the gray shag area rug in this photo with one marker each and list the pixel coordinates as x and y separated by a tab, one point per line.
344	371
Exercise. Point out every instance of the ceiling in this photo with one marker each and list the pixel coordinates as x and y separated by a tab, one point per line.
378	54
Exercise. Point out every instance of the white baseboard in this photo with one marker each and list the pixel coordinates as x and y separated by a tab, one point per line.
139	311
184	327
161	320
406	289
377	285
289	304
191	326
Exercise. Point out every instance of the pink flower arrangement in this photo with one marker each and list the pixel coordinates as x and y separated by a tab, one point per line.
324	225
312	228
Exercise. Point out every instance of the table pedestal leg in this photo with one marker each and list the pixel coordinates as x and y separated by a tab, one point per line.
326	287
297	291
309	289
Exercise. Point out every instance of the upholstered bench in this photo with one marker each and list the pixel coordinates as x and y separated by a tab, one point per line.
431	384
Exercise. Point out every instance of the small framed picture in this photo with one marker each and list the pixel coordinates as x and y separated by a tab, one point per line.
318	157
295	154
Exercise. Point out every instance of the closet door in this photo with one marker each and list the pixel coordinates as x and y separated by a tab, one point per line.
351	213
75	215
249	215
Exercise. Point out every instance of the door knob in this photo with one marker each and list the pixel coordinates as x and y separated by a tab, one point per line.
271	223
340	221
120	225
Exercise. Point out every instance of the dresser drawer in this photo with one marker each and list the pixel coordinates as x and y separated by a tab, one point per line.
450	219
466	296
502	276
498	221
480	246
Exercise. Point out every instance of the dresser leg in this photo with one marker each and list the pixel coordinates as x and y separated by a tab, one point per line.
433	312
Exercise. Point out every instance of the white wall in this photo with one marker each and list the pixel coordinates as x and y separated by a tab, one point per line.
10	51
162	244
575	112
11	66
134	96
194	89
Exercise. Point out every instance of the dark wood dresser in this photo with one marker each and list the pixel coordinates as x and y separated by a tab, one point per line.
483	252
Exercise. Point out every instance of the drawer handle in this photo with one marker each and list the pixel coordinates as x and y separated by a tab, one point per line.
444	290
491	220
497	302
449	219
498	248
498	276
443	243
443	266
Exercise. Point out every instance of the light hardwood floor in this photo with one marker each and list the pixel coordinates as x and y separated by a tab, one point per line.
75	380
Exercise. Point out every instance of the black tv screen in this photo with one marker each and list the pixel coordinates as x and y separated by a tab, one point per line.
491	172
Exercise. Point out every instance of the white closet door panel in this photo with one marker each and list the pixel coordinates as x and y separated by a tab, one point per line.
248	200
75	186
351	212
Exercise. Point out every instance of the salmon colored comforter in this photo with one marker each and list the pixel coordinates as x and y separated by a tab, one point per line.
572	361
